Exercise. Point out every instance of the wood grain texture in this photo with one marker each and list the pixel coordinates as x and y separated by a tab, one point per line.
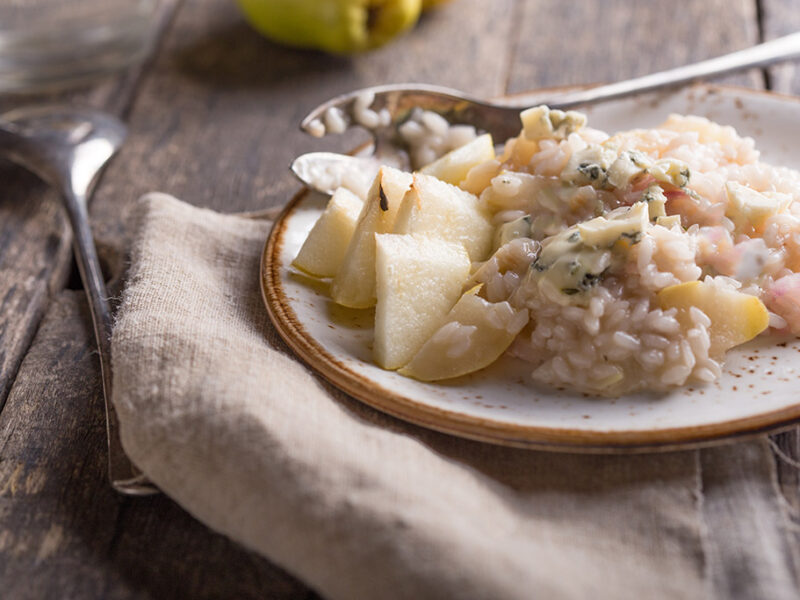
35	240
560	43
65	533
204	121
216	120
35	257
781	17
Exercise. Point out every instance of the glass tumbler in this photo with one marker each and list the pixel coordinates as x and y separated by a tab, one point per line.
53	44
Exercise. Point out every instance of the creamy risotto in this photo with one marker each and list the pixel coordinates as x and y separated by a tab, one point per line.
612	262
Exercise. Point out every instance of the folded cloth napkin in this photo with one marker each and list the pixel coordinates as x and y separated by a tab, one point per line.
223	418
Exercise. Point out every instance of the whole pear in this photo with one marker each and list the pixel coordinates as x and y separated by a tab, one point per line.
337	26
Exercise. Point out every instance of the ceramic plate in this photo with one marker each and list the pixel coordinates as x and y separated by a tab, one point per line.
758	390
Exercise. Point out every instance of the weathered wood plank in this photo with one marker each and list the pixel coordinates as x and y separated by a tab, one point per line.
559	43
216	122
204	124
781	17
64	533
35	241
35	257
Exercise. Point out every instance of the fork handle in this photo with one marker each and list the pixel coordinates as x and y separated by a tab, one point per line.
780	49
123	474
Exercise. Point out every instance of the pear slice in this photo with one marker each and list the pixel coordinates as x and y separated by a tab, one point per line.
354	283
323	251
419	279
735	317
474	335
454	166
480	176
438	209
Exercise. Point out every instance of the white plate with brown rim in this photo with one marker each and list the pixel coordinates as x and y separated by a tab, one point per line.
500	404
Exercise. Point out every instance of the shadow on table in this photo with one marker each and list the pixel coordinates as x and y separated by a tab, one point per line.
165	553
234	56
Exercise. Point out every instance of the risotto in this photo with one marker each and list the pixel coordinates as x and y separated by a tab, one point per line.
710	212
640	257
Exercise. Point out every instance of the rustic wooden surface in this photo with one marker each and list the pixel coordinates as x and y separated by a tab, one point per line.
213	118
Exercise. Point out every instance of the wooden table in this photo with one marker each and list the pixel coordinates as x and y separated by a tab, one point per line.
213	118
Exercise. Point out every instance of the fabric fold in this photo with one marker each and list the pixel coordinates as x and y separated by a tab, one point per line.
216	410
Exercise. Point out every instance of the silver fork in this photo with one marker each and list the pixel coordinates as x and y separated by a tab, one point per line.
392	104
68	147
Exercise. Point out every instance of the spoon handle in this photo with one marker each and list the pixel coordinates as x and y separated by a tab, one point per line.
123	474
780	49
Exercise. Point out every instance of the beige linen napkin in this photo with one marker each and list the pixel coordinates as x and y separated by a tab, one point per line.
216	410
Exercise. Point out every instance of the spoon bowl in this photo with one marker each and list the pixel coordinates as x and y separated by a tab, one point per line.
383	109
61	144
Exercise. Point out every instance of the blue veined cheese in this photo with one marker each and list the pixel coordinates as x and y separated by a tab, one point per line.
656	201
541	122
604	232
572	262
672	171
518	228
589	166
566	269
628	165
601	167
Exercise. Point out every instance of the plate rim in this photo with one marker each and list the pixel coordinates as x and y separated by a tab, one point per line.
474	427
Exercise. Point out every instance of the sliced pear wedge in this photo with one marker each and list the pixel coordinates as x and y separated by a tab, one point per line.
437	209
354	283
419	279
474	335
735	317
454	166
323	251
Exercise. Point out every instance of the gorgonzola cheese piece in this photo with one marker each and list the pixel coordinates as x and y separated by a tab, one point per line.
604	232
566	269
672	171
656	200
540	122
518	228
572	262
628	165
589	166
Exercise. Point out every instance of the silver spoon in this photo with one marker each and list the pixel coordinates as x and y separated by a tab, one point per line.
501	117
67	148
